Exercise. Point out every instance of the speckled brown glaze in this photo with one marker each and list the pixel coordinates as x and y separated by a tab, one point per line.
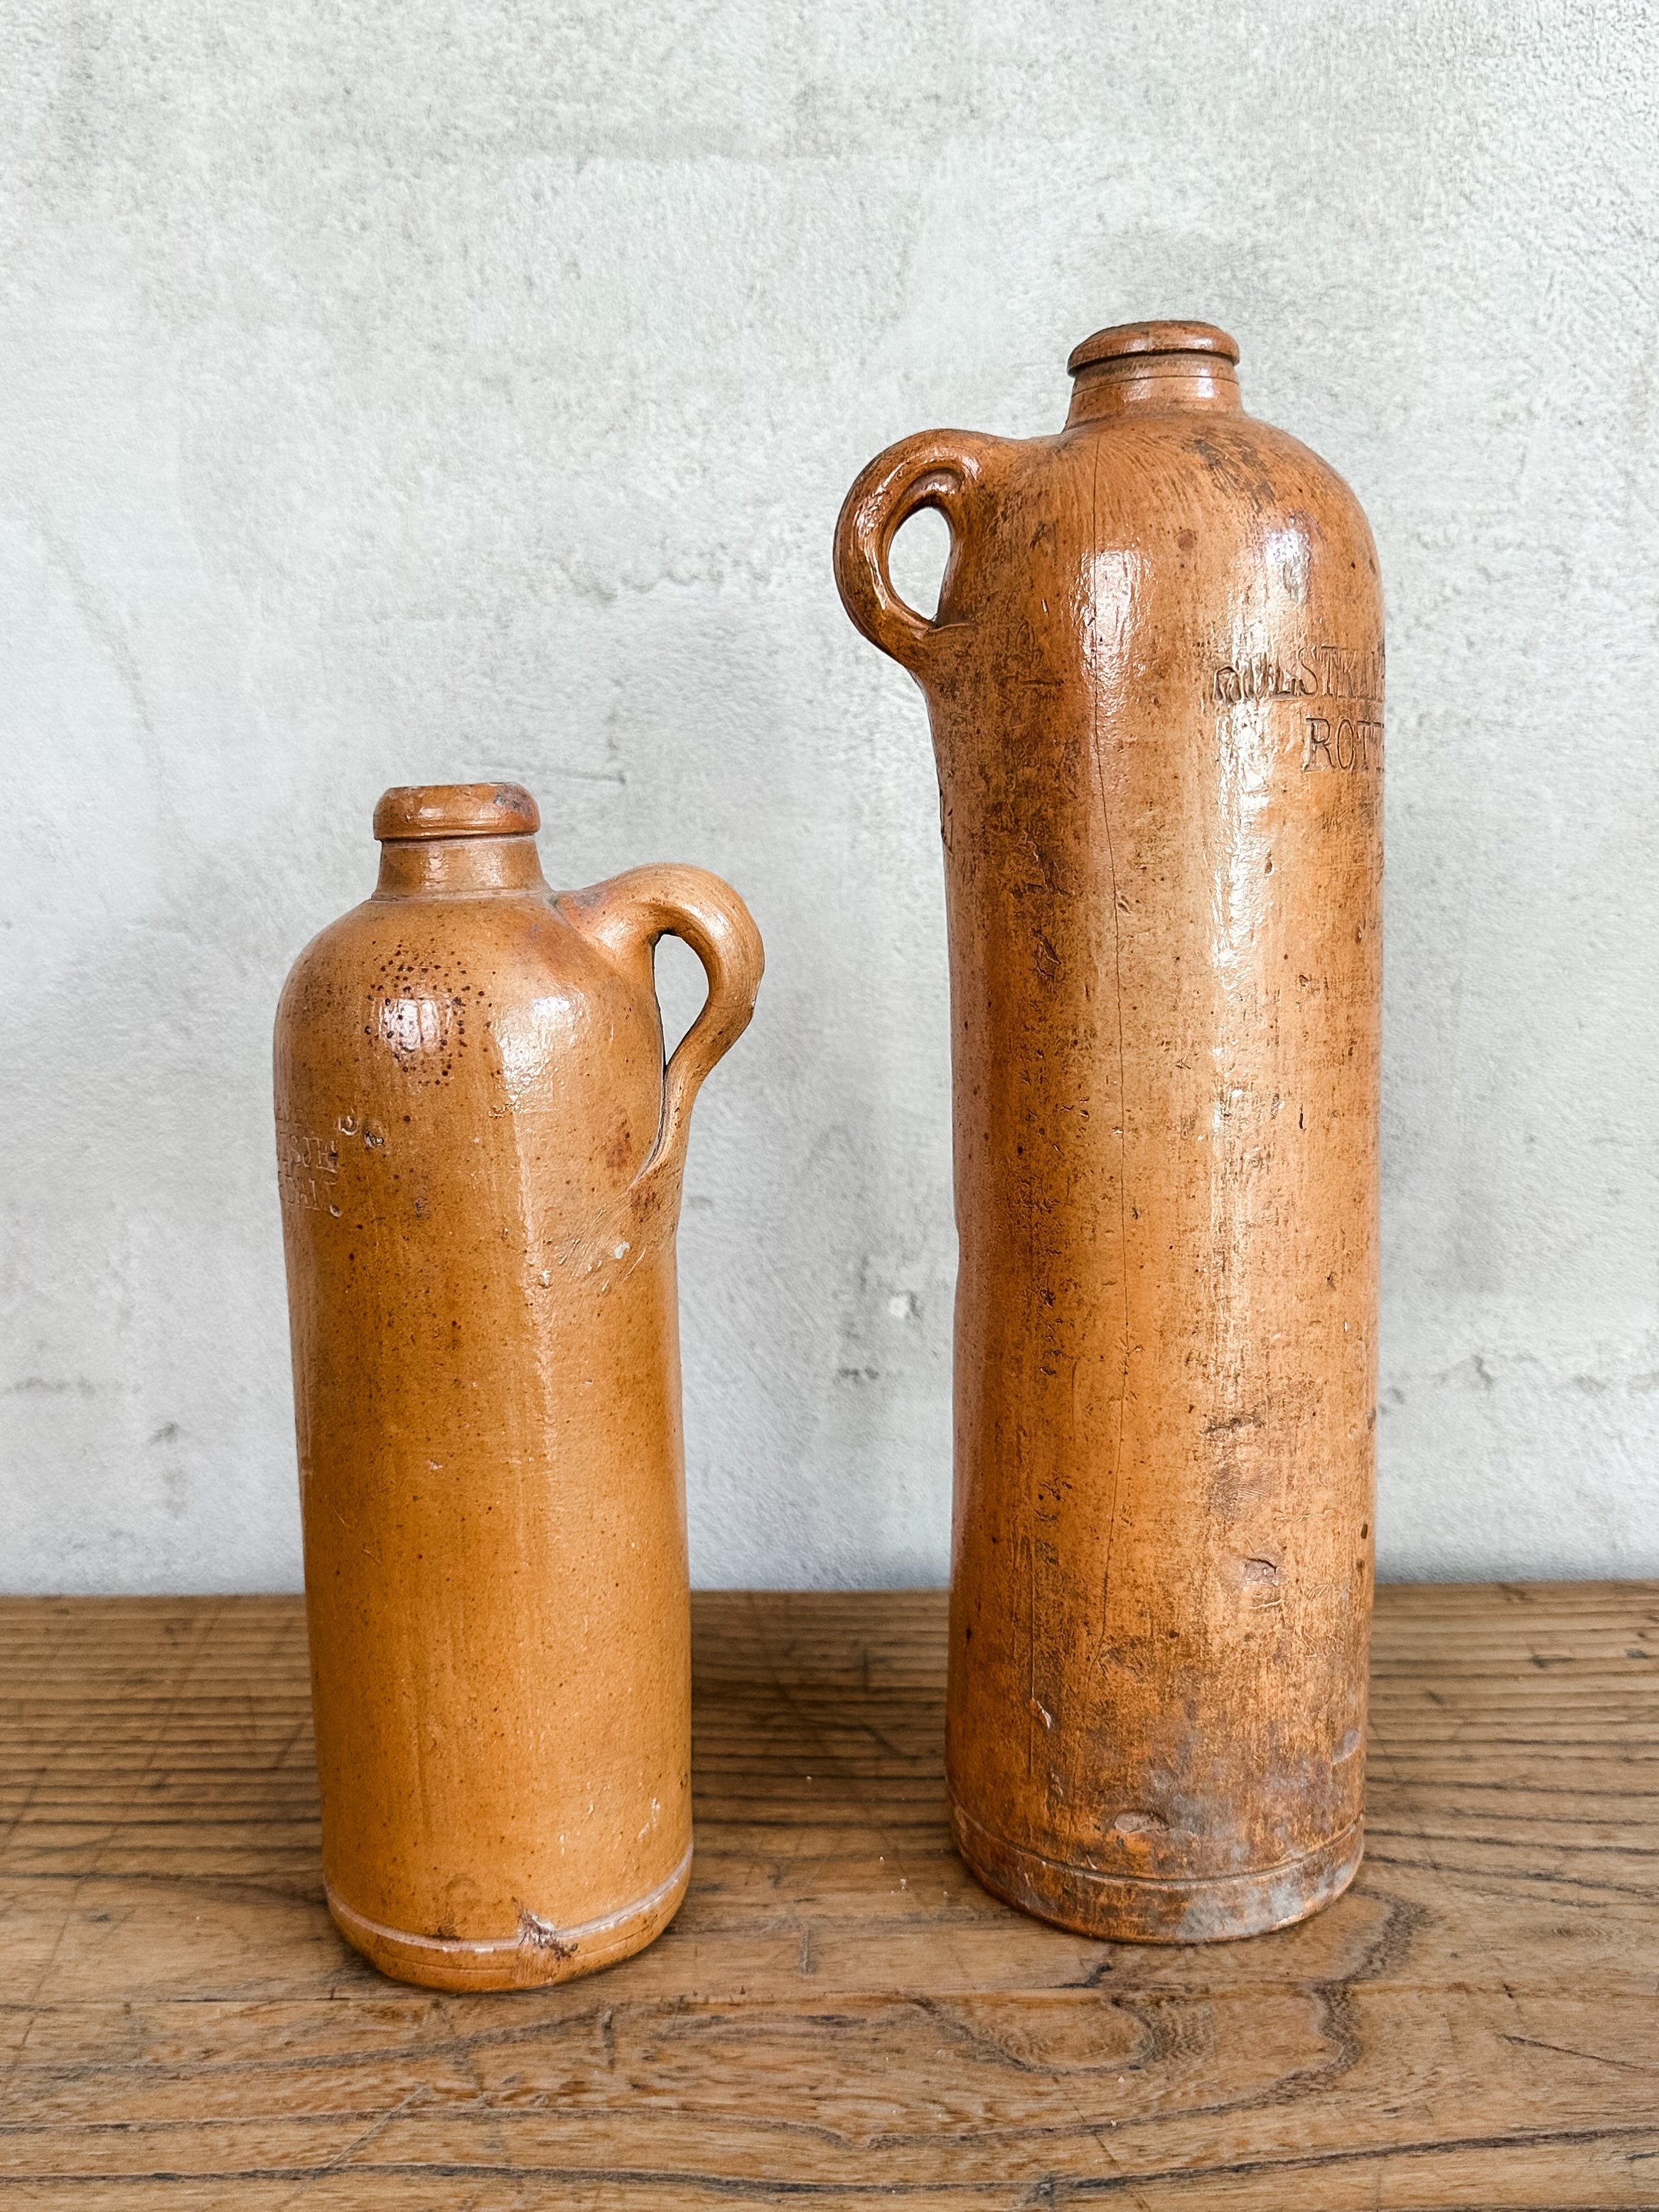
1155	682
480	1155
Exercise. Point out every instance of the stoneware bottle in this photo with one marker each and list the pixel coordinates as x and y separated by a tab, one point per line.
480	1156
1155	679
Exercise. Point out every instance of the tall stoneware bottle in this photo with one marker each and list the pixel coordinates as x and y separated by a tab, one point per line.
1155	679
480	1160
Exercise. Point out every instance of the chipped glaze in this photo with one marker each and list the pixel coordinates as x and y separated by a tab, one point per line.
480	1155
1155	682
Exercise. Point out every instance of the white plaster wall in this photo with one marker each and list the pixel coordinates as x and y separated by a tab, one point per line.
419	391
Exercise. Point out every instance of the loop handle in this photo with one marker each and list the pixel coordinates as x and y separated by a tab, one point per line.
627	915
940	469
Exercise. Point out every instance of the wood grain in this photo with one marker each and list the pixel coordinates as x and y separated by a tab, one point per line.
840	2014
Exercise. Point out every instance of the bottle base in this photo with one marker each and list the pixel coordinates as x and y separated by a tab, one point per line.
1126	1909
538	1954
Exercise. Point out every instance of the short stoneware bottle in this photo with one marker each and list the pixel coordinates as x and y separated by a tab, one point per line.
480	1158
1155	682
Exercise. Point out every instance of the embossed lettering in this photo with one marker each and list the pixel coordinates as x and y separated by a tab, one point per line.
1327	671
1350	745
303	1162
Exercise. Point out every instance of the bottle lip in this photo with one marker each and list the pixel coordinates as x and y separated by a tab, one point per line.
456	809
1121	339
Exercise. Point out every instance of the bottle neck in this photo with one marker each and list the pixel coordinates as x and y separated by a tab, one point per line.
436	867
1199	383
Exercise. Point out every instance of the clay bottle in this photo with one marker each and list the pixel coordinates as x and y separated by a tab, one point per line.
1155	681
480	1155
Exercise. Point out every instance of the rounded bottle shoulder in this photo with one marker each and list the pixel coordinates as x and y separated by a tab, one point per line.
401	974
1174	461
456	1023
1190	532
1193	496
502	940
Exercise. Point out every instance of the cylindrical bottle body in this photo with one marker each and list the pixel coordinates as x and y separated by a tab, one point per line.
1160	747
486	1386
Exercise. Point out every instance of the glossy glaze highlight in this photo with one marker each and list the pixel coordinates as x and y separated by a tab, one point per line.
1154	681
480	1154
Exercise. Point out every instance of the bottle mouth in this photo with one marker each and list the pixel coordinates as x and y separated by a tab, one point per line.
456	809
1125	340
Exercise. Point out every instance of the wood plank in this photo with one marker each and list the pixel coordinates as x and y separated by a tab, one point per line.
840	2014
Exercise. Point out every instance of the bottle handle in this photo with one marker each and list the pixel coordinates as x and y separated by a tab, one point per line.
627	915
940	469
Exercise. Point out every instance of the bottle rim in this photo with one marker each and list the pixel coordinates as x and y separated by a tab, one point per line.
456	809
1121	340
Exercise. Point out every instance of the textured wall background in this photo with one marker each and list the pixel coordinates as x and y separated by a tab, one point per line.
425	392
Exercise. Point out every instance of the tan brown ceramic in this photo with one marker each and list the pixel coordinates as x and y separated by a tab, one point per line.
480	1159
1155	680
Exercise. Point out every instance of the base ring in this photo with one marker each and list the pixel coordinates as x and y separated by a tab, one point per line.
539	1953
1134	1909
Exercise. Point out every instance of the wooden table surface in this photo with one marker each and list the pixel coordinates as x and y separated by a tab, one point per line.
839	2015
